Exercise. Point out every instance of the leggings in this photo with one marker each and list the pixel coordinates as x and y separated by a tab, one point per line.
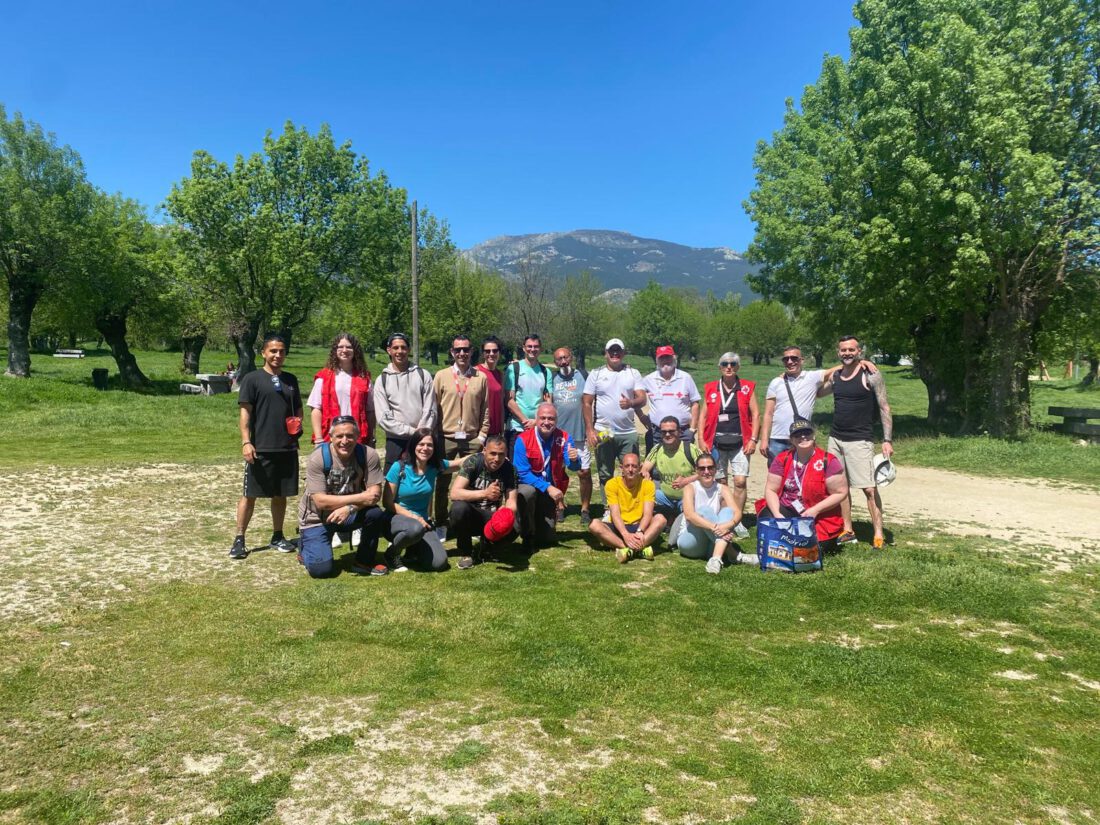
421	545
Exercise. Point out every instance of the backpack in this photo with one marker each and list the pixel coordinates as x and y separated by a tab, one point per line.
419	371
515	374
326	458
690	450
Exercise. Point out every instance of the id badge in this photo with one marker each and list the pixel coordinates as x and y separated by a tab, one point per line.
798	506
723	417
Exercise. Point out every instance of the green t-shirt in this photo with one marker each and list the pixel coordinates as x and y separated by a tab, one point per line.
682	463
533	382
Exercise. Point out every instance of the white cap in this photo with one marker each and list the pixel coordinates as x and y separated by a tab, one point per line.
614	342
885	471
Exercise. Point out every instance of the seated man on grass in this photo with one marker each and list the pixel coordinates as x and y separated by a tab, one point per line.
485	486
541	455
343	488
671	464
630	525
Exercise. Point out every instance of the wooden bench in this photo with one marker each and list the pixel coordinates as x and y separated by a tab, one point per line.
1076	421
68	353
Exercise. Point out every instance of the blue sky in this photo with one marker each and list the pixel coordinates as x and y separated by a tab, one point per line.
502	118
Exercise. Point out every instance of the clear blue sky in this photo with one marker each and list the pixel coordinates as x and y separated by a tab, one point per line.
502	118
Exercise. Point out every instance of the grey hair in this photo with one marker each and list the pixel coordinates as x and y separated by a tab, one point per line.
729	356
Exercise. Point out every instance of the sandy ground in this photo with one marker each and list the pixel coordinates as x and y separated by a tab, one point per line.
83	538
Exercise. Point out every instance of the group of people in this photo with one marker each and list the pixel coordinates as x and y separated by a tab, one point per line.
484	451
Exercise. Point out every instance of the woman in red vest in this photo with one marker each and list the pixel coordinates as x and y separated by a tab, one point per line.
730	428
342	388
807	482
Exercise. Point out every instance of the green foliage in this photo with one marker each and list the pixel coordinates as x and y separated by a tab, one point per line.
939	187
582	320
761	330
455	298
659	316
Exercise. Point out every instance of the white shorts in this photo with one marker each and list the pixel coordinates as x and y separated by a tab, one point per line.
586	457
730	463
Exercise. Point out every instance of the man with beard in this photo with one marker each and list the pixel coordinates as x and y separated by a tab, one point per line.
484	487
670	391
567	396
857	393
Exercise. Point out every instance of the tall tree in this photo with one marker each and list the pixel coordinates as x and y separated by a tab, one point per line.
762	329
530	303
940	186
44	200
582	319
660	316
272	233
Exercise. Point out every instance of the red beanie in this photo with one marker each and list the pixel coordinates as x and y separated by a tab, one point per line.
500	525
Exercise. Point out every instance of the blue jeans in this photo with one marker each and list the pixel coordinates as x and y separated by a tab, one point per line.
668	507
776	446
315	547
697	543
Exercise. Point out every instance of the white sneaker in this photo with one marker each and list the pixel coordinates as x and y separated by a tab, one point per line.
740	531
714	565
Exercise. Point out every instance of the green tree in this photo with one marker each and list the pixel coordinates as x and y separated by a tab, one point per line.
659	316
719	322
582	319
270	235
939	187
44	200
762	330
457	298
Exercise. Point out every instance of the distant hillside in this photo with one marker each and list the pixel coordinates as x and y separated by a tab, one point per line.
620	260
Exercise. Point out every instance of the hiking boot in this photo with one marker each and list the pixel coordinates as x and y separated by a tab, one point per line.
282	545
586	518
714	565
238	550
647	553
624	554
740	531
847	537
465	563
878	542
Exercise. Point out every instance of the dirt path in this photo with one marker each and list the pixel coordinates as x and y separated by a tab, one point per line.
1033	513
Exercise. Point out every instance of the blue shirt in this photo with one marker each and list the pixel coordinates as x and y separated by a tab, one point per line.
415	491
523	464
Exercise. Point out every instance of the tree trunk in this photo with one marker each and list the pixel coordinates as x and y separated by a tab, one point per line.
941	369
244	337
287	334
72	340
433	353
113	329
22	298
1006	411
581	355
1094	368
192	350
819	358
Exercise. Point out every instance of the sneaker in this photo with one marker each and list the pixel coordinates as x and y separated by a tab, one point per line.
586	518
847	537
740	531
714	565
441	533
238	550
624	554
560	517
379	570
647	553
399	566
878	543
282	545
358	569
465	563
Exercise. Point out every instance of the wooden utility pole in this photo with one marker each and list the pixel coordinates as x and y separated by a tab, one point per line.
415	294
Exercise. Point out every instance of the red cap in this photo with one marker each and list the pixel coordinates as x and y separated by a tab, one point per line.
666	350
500	525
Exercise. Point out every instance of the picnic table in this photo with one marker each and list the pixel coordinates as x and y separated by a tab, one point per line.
1075	421
68	353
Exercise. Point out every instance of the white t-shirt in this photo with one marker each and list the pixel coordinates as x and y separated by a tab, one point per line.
609	386
804	389
343	393
672	397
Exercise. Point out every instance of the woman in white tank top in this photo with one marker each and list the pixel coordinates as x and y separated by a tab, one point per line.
710	514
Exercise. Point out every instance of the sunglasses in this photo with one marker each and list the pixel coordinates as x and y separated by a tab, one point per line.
276	383
802	435
791	359
460	349
708	469
615	351
342	419
490	350
729	364
669	432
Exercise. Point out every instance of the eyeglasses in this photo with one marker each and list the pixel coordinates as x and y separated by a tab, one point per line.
729	363
276	383
791	359
460	349
708	469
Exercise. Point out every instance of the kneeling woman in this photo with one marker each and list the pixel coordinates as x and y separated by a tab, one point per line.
807	482
710	513
410	484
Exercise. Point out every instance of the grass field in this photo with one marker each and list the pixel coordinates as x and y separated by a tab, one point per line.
145	678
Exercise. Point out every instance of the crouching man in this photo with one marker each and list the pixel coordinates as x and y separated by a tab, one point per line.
631	526
541	456
343	488
483	493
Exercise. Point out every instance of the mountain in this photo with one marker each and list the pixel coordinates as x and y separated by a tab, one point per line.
620	260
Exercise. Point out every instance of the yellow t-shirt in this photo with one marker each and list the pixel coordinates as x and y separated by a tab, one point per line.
631	505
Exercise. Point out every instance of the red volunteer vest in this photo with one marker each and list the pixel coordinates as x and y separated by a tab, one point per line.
714	406
530	439
828	524
330	407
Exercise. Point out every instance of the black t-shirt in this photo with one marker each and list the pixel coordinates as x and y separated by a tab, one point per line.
272	403
854	408
478	477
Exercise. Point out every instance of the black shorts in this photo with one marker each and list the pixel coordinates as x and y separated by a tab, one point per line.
271	475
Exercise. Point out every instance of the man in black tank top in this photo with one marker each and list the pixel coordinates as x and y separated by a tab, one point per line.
857	393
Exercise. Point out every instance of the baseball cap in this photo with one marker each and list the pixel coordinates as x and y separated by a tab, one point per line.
885	471
801	425
665	350
500	524
614	342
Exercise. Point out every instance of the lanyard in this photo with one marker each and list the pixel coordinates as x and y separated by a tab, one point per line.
799	478
726	399
460	390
